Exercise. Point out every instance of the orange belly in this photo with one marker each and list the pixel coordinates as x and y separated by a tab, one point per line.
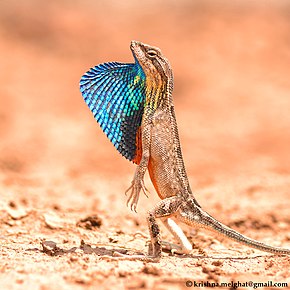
152	177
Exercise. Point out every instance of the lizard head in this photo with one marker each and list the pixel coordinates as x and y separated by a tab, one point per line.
155	66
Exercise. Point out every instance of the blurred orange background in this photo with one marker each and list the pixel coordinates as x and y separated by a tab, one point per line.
231	62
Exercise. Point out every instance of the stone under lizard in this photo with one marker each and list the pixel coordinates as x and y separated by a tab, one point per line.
133	105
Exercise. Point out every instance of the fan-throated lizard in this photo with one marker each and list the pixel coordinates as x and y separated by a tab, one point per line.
133	105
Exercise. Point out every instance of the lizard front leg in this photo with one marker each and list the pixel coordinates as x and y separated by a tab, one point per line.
138	181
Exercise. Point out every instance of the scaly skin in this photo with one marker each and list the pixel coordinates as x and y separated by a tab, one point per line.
161	156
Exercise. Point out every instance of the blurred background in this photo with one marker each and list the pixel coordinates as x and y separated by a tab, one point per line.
231	62
61	179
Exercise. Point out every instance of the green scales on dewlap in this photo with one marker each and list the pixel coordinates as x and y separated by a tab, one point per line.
133	104
115	93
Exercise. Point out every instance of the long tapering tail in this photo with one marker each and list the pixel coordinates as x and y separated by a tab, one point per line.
197	217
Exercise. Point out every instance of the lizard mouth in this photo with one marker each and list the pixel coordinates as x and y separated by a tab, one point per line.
135	44
137	48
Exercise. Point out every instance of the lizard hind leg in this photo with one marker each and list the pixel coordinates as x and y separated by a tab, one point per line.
184	246
163	209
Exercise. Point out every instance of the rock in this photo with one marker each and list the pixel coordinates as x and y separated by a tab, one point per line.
53	221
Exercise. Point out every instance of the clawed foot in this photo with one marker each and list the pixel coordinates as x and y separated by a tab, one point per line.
150	257
135	188
118	256
174	248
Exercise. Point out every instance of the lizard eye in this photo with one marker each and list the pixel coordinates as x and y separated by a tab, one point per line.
151	53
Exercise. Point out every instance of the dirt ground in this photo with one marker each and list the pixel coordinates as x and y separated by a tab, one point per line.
62	184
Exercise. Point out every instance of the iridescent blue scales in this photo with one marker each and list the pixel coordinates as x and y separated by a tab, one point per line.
115	93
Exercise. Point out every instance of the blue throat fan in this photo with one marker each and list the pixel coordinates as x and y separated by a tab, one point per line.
115	93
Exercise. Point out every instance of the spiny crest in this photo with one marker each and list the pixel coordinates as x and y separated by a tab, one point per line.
115	93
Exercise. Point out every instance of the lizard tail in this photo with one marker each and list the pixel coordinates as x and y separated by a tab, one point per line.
198	217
